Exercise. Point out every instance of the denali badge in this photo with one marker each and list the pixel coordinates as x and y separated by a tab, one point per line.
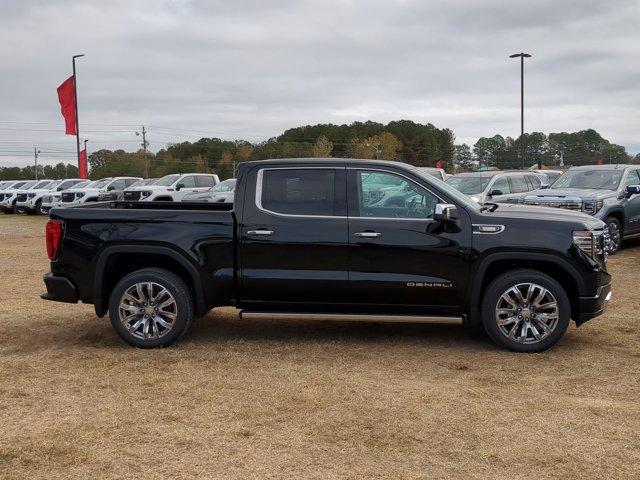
430	284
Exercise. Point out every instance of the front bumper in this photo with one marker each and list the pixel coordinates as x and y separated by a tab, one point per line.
59	289
591	307
25	206
6	206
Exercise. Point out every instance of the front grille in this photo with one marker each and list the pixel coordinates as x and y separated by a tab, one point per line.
21	197
555	203
1	196
68	197
106	197
46	199
132	196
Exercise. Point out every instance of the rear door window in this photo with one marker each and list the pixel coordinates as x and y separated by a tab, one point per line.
204	181
188	182
518	184
299	191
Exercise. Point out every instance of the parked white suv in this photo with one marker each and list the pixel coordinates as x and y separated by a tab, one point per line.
30	201
91	192
9	196
54	195
172	188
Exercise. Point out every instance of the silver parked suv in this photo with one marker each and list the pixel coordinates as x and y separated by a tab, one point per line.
496	186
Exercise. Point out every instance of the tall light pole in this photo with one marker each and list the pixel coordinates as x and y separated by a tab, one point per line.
35	159
522	56
145	144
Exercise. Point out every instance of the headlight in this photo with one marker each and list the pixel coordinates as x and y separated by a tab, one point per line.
144	194
592	206
31	195
79	195
590	242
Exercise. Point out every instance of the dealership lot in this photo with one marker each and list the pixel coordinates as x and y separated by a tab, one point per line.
263	399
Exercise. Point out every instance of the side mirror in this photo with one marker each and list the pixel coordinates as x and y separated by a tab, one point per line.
179	186
495	192
446	212
632	190
110	187
542	187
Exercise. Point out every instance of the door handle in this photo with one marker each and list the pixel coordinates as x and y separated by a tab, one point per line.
262	232
367	234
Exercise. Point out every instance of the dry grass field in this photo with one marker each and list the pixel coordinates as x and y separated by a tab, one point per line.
242	399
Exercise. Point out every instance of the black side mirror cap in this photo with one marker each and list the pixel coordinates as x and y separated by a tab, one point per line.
495	192
179	186
632	190
445	212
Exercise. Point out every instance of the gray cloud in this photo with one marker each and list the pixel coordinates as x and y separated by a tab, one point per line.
250	69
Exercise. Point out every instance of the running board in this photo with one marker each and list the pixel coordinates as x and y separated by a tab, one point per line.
349	317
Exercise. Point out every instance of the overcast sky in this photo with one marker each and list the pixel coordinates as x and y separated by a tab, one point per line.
251	69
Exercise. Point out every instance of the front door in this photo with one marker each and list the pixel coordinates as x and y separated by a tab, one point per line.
294	238
398	254
631	204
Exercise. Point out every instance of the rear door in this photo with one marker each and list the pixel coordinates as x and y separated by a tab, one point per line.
519	187
294	238
399	255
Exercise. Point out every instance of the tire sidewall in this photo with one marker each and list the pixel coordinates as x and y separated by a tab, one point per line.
502	284
174	285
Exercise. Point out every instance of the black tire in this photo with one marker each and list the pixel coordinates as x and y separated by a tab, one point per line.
510	279
615	229
36	211
175	286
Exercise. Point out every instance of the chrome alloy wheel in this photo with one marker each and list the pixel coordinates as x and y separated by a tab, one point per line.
527	313
147	310
615	237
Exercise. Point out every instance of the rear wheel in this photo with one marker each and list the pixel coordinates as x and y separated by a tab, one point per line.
615	235
525	311
151	308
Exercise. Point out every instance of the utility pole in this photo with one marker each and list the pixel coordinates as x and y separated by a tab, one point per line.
522	56
35	159
145	144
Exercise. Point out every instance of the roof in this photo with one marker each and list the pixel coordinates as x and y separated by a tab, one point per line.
614	166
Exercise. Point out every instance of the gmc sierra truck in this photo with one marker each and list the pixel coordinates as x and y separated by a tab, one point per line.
303	241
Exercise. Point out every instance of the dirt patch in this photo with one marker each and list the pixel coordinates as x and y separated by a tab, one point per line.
268	399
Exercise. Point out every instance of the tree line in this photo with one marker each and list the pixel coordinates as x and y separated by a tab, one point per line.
54	172
402	140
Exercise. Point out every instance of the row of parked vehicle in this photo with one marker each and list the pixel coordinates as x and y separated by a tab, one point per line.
39	197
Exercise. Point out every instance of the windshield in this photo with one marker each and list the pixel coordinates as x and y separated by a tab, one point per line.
168	180
54	184
469	185
82	184
100	183
24	186
452	192
41	184
597	179
143	182
226	186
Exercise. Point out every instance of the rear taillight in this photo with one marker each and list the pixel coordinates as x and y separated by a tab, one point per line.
53	234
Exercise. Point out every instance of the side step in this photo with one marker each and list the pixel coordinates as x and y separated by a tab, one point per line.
349	317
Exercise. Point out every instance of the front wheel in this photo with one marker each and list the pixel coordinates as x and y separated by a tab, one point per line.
615	235
525	311
151	308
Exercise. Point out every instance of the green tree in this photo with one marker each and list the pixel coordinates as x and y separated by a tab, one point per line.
322	148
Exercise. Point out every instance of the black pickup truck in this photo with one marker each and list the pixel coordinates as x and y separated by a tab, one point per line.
307	238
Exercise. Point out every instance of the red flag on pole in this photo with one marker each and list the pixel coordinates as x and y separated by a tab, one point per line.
66	96
82	166
438	163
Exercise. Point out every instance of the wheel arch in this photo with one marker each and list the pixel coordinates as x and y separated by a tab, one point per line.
117	261
496	264
618	214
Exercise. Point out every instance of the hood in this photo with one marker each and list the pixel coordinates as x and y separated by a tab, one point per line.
84	190
544	214
577	193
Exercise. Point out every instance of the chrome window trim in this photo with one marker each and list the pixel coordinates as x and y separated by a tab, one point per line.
260	183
